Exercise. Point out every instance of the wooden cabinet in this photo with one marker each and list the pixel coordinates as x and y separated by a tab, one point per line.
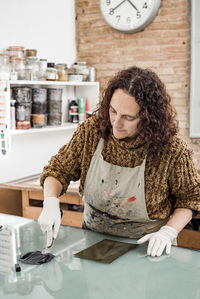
32	200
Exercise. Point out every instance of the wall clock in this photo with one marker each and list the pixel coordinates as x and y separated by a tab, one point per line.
129	15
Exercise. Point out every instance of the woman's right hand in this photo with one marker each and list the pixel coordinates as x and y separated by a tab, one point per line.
50	219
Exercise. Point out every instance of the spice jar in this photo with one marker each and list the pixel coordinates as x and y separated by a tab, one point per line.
51	72
62	72
18	65
4	67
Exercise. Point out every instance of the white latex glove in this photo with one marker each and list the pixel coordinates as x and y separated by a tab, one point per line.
50	219
159	240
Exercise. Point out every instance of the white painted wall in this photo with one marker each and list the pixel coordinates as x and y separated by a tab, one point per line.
45	25
49	27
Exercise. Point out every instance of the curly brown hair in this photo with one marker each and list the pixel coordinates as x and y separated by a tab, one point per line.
157	117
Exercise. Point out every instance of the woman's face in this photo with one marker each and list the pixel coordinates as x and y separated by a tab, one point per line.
123	114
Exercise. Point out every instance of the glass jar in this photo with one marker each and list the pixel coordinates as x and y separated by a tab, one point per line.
23	97
42	69
16	51
62	72
39	107
39	98
54	96
51	72
32	68
4	67
31	52
73	75
82	68
18	66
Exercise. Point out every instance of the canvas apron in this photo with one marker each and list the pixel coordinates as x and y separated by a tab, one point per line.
114	199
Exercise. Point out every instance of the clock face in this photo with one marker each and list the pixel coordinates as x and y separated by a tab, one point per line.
129	15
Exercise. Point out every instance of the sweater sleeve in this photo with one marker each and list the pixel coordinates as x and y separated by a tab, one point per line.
185	182
65	166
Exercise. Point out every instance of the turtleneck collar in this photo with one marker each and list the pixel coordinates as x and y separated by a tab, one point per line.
135	143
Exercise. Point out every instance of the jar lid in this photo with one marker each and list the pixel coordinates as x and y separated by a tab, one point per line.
50	64
80	63
16	48
61	65
14	58
31	50
4	55
32	58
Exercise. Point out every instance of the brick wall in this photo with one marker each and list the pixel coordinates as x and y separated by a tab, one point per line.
164	46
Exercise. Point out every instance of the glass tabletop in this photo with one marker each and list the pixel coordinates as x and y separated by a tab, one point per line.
133	275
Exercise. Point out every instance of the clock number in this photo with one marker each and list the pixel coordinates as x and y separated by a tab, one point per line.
128	20
118	18
108	2
138	14
145	5
111	11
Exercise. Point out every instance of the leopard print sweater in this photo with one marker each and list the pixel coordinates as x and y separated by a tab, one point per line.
172	182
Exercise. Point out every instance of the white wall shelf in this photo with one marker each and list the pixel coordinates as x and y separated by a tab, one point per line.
63	127
53	83
31	149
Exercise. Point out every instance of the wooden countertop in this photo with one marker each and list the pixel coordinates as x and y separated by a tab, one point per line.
32	183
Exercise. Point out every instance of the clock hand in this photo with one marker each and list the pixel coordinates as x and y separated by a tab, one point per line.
133	5
113	9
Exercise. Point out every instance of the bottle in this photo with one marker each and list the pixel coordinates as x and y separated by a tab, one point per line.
73	112
62	72
12	114
81	109
51	72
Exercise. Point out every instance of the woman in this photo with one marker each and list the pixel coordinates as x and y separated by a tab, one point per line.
136	175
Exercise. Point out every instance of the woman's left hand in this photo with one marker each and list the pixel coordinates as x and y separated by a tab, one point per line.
159	240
